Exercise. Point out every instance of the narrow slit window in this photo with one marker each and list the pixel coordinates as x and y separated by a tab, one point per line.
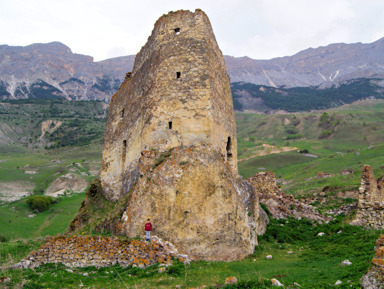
178	74
122	113
229	148
177	31
124	151
170	125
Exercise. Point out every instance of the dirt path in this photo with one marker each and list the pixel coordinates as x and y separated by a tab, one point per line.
267	150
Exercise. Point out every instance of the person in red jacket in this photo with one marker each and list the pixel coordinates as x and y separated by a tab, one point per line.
148	229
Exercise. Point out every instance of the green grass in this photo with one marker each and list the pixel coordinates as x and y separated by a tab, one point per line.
348	148
15	223
314	262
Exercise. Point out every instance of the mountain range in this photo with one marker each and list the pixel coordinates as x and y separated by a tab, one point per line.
52	71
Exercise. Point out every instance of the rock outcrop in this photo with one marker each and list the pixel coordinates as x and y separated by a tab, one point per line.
370	207
374	278
170	151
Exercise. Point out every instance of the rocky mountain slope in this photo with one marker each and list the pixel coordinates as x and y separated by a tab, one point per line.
323	66
52	71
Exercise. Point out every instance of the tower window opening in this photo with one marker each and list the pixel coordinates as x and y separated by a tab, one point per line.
170	125
122	113
178	74
177	31
124	151
229	149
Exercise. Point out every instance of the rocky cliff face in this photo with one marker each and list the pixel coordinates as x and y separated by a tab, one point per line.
170	148
370	207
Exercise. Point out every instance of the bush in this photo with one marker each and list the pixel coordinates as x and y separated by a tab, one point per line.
39	203
3	239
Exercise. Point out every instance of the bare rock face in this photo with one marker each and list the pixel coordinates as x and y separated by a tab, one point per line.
170	151
374	278
370	207
196	202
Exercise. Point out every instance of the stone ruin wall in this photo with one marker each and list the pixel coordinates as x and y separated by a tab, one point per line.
374	278
177	95
84	251
279	204
370	207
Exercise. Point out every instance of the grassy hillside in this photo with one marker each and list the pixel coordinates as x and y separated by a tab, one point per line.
295	146
51	123
354	139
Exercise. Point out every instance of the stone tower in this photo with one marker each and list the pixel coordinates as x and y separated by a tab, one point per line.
170	146
178	94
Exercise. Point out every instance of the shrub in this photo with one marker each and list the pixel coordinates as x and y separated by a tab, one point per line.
39	203
3	239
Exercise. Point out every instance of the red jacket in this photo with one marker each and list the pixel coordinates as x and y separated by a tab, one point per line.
148	227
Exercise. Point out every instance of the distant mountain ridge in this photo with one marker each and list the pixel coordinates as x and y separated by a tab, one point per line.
323	66
52	71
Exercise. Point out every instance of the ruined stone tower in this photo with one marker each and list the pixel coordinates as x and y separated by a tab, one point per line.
169	149
178	94
370	206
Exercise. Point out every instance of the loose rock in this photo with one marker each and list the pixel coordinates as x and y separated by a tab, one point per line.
276	282
231	280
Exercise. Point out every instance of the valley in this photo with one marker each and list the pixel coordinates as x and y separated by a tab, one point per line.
296	146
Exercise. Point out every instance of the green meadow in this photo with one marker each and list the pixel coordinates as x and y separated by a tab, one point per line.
295	146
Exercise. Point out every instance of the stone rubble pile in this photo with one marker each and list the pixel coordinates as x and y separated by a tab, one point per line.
279	204
83	251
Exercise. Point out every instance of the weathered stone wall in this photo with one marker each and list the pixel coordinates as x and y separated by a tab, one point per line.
177	95
374	278
280	204
83	251
370	207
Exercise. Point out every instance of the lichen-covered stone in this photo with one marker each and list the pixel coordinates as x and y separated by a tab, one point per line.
374	278
82	251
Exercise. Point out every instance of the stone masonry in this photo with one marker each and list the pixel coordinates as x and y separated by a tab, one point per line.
370	207
83	251
170	151
374	278
178	94
279	204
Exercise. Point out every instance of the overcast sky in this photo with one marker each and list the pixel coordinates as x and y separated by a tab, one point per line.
260	29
